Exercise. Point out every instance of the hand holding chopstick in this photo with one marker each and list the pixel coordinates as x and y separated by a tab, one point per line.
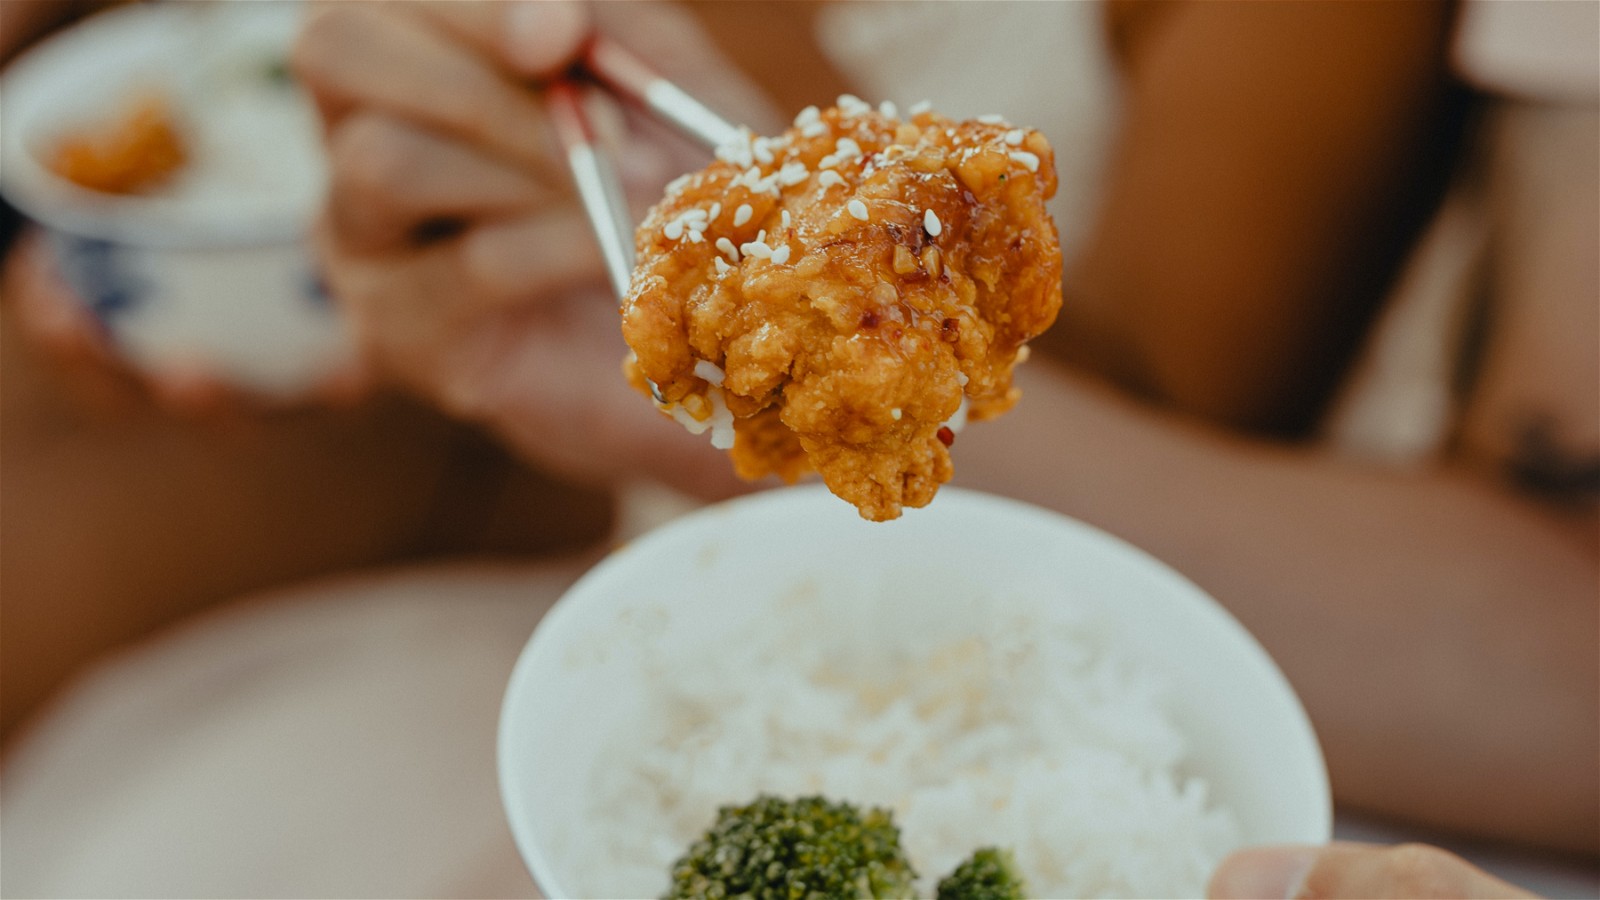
598	186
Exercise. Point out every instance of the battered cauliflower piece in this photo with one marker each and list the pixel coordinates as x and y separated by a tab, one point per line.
842	297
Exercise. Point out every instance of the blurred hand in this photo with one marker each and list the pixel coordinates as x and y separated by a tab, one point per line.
1347	871
451	238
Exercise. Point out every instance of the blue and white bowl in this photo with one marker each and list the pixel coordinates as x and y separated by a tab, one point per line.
214	269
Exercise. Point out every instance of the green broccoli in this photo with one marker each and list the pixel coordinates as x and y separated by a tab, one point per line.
805	849
988	874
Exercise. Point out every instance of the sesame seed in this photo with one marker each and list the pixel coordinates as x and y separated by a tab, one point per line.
762	152
829	178
692	215
722	265
920	107
930	222
889	110
828	162
678	184
847	148
785	218
992	119
781	255
1026	158
695	237
697	226
851	105
815	129
762	235
742	214
673	230
737	149
757	249
807	116
726	246
792	174
895	414
716	210
857	209
1014	136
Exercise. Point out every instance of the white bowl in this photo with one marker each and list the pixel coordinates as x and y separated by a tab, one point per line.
578	684
214	269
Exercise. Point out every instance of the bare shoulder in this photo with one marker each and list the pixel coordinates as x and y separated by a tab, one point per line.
1534	411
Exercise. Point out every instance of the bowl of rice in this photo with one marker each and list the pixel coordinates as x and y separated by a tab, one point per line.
994	673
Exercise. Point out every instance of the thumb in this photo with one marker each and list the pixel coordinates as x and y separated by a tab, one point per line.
1347	871
544	37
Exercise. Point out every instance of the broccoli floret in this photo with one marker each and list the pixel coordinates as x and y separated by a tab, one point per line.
988	874
805	849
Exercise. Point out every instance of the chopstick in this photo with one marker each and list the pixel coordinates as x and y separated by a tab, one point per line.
599	188
631	78
598	185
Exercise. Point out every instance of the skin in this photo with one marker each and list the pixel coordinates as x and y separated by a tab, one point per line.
1413	871
1257	201
503	317
1439	624
1449	608
251	494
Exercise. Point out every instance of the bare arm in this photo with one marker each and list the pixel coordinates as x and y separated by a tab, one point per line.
1440	629
1273	162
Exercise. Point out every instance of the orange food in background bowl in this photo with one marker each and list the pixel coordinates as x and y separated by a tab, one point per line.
139	151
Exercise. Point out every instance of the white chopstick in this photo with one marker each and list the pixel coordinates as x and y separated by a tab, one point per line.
633	79
598	185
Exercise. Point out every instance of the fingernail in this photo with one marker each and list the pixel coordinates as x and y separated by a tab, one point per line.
542	36
1263	873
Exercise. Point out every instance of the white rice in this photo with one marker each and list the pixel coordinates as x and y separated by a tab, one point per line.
1041	739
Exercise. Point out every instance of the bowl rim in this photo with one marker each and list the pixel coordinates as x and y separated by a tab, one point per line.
29	186
520	684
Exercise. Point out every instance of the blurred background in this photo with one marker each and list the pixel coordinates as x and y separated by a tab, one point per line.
309	410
